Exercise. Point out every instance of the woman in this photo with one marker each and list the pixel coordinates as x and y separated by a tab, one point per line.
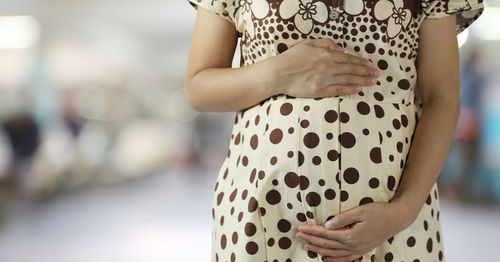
316	168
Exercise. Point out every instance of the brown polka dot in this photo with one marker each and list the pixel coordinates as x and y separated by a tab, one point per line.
304	182
343	195
363	108
311	254
351	175
396	124
301	217
429	245
382	64
286	109
370	48
254	141
410	241
391	182
235	237
311	140
365	200
282	47
316	160
374	182
219	197
344	117
404	84
313	199
250	229
252	247
291	179
388	257
376	155
276	136
233	195
284	242
399	147
331	116
333	155
379	112
300	159
223	241
404	120
347	140
244	194
252	204
273	197
284	226
330	194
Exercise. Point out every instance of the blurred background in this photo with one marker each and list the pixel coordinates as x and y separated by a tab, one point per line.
102	159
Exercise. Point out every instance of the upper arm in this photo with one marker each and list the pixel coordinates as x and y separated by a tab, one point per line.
438	59
213	42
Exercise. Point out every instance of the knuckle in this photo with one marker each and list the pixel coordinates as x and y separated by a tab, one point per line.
348	78
323	52
350	59
315	87
323	242
351	68
322	66
368	80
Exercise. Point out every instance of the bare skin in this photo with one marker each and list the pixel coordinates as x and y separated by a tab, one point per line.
310	68
212	85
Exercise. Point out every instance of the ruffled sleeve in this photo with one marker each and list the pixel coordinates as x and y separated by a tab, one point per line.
467	11
223	8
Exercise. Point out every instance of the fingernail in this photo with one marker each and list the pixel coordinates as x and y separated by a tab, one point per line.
373	80
369	63
358	89
377	73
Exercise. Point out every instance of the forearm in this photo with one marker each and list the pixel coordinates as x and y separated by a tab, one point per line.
428	152
230	89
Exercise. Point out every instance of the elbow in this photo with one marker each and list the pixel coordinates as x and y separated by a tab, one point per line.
191	97
446	101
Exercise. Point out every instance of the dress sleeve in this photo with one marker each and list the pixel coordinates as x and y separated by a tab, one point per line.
467	11
222	8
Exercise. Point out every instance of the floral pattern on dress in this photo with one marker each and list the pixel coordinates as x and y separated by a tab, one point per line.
398	18
304	13
259	9
353	7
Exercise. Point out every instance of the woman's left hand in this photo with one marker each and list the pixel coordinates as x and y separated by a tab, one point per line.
351	234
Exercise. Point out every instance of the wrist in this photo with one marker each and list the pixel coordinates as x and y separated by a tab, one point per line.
266	76
406	212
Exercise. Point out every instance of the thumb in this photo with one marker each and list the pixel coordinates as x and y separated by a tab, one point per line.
341	220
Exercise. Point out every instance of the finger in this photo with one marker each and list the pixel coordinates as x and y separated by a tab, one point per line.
321	231
334	90
342	259
354	69
344	219
341	57
349	79
328	251
320	242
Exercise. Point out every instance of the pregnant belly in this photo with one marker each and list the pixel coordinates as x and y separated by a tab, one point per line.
326	154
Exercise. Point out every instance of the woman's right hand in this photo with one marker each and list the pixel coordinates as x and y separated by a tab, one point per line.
319	68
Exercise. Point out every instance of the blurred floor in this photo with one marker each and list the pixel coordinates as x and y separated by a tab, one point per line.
149	220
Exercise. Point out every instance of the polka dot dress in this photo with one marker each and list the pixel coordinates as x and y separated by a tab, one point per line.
298	160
